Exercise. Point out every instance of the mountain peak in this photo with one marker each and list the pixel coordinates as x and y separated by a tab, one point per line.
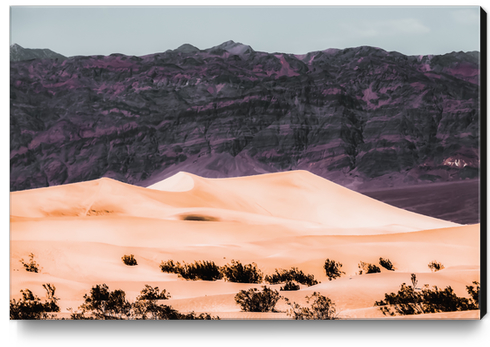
188	48
232	47
19	53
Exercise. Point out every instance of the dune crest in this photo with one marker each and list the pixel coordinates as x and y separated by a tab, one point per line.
180	182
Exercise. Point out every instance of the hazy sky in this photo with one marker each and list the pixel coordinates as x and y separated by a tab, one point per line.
144	30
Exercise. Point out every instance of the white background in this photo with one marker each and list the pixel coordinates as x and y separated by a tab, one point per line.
222	333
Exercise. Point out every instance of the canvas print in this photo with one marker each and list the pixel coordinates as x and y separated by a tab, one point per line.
264	163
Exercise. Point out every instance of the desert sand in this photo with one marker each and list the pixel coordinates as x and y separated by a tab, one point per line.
79	232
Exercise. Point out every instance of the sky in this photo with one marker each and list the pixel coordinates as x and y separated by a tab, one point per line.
138	31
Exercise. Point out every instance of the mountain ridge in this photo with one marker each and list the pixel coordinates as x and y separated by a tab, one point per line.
361	117
19	53
194	49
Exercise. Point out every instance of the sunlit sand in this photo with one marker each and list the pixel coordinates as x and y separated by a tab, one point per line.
79	232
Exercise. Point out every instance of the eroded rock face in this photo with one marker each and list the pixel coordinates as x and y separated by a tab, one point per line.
362	117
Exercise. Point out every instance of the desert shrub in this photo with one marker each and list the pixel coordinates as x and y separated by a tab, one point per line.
31	307
254	300
290	286
332	269
409	301
199	270
129	260
366	268
322	308
413	278
435	266
32	265
474	293
146	305
165	312
281	276
236	272
170	267
405	302
104	304
152	294
387	264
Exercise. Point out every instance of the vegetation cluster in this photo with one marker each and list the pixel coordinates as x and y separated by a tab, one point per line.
409	300
199	270
294	274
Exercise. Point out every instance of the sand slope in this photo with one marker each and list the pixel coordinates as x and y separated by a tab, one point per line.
79	232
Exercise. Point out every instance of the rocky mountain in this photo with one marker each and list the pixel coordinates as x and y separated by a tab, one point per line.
362	117
18	53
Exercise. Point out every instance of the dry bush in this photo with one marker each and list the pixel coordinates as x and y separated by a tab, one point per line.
387	264
236	272
294	274
321	308
129	260
332	269
366	268
253	300
30	306
104	304
435	266
290	286
410	301
199	270
32	265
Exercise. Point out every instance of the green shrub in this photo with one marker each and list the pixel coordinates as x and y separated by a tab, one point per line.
30	307
289	286
332	269
410	301
129	260
386	263
435	266
199	270
322	308
32	265
367	268
254	300
236	272
281	276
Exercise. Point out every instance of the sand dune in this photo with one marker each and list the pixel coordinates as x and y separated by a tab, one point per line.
288	197
79	232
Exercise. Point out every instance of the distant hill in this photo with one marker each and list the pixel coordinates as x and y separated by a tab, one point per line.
19	53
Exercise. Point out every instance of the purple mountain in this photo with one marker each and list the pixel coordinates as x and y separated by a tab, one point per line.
362	117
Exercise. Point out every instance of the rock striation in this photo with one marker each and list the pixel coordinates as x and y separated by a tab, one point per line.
362	117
